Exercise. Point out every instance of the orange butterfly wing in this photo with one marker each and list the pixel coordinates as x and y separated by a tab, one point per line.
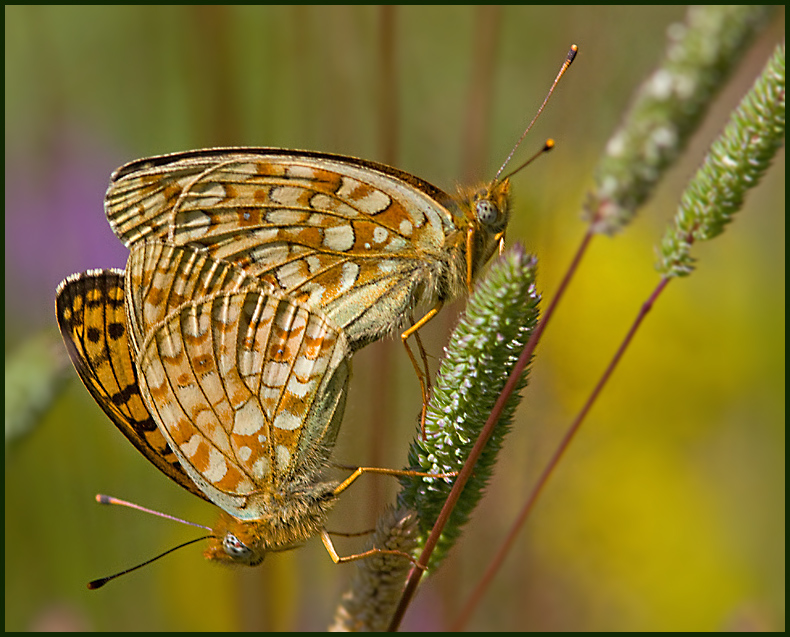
249	389
92	320
363	242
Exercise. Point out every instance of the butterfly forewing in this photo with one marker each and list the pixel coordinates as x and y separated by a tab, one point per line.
361	241
92	320
249	389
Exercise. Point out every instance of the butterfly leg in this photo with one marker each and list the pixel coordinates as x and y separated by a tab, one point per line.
387	472
423	377
355	534
470	257
330	548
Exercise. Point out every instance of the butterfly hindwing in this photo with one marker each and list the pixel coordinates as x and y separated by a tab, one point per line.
249	388
161	277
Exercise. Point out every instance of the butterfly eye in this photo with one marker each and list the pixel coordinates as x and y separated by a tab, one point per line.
486	211
236	548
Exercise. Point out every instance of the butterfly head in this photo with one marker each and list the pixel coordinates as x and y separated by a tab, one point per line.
285	520
490	205
237	552
242	542
487	211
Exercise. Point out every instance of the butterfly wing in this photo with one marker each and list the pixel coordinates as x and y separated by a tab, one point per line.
249	389
160	277
361	241
92	320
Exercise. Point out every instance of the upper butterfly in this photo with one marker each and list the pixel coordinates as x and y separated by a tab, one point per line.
362	241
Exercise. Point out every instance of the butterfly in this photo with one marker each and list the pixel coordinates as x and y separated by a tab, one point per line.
362	242
247	389
235	393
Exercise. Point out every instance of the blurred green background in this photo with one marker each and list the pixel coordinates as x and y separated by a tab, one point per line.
668	511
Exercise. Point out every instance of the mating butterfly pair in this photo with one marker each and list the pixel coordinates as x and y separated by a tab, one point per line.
222	351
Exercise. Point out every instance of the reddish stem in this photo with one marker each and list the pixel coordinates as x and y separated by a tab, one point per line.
482	440
477	594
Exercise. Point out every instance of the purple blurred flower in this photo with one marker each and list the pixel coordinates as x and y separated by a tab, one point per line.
55	224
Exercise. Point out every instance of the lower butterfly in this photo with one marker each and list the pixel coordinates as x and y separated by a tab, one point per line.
249	391
245	390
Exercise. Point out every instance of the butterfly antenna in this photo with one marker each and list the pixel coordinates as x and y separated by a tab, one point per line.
546	148
108	499
98	583
568	61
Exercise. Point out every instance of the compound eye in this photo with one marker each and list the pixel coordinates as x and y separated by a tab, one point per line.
486	212
235	547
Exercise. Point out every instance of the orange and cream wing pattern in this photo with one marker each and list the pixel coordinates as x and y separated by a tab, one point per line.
248	388
92	320
161	277
362	241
